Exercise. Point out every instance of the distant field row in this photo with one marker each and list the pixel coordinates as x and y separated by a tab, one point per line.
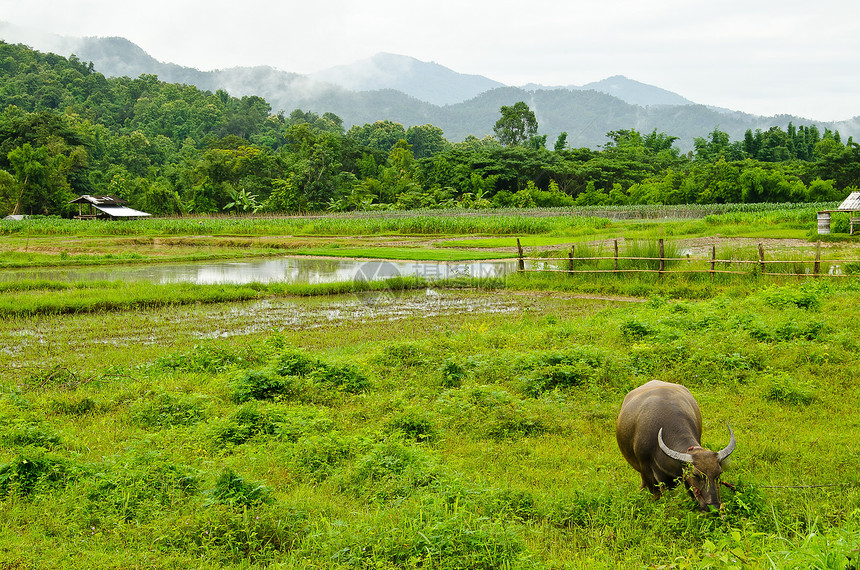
434	222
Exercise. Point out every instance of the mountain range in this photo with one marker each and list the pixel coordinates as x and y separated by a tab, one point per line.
413	92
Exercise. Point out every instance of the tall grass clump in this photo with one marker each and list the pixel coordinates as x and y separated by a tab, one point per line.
234	491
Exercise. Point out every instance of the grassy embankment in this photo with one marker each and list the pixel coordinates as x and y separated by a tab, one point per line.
464	429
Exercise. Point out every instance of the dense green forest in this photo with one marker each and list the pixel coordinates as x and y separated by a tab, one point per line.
67	130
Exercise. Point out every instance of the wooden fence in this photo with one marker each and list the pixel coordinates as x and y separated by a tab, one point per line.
662	263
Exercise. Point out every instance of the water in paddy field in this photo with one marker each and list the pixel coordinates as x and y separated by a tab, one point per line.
280	270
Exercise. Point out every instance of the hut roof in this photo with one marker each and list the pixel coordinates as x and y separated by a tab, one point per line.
99	200
110	205
851	203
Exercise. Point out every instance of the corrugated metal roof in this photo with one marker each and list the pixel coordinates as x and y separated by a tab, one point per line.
852	202
99	200
121	211
110	205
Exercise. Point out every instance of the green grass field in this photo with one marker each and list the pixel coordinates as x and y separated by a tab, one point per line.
407	424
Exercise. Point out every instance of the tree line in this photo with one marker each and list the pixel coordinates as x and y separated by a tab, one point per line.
169	149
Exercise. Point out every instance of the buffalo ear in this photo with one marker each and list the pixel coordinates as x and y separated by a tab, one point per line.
727	450
682	457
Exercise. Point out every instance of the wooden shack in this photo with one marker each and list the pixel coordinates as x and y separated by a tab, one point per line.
105	207
850	205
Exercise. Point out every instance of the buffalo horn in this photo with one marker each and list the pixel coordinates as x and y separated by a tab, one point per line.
725	452
683	457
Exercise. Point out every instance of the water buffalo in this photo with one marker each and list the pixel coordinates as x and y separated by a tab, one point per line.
658	418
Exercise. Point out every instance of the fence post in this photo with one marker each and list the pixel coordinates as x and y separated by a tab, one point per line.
522	263
816	268
713	260
662	261
570	260
616	256
761	258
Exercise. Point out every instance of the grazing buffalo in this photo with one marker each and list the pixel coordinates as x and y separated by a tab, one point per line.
658	418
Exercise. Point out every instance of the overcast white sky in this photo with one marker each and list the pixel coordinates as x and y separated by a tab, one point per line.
759	56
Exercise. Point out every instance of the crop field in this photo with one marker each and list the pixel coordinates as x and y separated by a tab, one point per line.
406	423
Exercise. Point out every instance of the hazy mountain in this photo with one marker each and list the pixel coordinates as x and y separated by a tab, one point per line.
411	92
428	82
627	90
635	92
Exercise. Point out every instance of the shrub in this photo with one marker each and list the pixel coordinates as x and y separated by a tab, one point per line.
23	433
803	297
294	363
563	369
453	373
413	424
633	330
489	396
548	378
208	359
851	268
232	490
57	377
245	423
27	472
745	501
800	330
254	385
788	330
294	375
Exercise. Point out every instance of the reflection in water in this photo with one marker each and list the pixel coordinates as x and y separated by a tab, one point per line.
283	270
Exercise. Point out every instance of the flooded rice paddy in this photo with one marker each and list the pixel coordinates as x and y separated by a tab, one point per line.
41	341
283	270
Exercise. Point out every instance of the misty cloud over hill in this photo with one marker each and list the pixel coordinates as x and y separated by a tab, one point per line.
406	90
429	82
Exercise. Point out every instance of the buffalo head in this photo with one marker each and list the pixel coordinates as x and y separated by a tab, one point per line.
702	469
